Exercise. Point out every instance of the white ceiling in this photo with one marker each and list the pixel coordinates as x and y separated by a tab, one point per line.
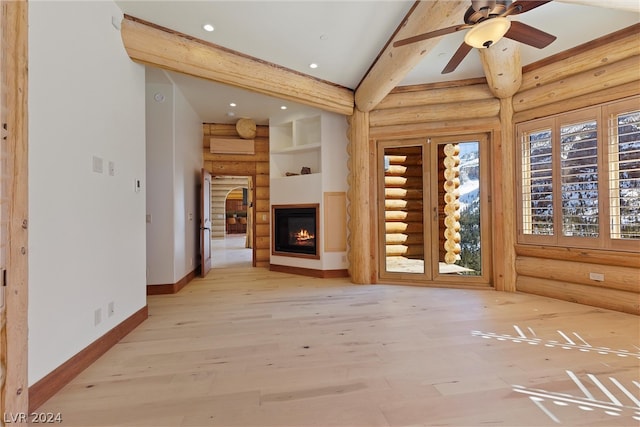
342	37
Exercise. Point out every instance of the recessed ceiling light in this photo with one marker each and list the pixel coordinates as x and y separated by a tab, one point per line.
283	107
313	65
231	114
208	27
233	104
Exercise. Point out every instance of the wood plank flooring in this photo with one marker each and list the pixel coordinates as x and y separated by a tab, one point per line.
250	347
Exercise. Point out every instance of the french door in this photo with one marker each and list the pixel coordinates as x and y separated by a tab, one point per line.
433	215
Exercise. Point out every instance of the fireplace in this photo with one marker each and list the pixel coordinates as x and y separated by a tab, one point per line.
295	230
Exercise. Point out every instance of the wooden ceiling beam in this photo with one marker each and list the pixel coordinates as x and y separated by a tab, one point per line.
394	63
159	47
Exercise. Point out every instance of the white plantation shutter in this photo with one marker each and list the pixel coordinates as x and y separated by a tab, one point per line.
579	179
537	183
624	175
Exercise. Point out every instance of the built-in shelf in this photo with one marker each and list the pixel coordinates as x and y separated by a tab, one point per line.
298	149
316	140
295	144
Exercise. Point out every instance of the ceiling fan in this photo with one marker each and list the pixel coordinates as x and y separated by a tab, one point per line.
487	23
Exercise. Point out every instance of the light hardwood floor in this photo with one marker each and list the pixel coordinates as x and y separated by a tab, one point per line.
250	347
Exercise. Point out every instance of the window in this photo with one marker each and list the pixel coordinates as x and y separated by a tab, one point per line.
579	178
537	183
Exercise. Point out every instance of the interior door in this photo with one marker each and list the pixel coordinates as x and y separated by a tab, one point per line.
205	223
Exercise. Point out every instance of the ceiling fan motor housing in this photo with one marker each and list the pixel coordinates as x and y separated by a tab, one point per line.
484	9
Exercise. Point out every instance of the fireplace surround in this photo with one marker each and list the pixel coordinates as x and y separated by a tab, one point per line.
295	230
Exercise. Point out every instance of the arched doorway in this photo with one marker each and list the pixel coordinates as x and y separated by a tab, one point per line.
236	210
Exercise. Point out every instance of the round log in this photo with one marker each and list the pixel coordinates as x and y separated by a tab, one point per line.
246	128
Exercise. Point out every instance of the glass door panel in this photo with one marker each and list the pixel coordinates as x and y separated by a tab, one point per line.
459	250
402	210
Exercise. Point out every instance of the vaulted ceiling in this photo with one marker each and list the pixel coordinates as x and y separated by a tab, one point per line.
345	39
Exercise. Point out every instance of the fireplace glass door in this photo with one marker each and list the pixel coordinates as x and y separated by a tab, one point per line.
295	228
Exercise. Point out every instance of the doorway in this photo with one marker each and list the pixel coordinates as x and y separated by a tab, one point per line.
433	215
236	209
232	238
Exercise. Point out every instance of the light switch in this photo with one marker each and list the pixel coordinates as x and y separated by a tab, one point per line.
115	21
97	164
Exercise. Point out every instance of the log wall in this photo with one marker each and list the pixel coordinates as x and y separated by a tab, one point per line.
403	206
591	74
586	76
602	71
251	165
14	56
424	111
361	226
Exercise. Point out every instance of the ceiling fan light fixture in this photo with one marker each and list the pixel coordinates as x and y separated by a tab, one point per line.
487	33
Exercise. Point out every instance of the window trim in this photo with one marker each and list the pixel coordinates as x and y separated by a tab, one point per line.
522	130
609	111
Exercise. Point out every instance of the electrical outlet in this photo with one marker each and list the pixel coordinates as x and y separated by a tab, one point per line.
598	277
97	317
111	309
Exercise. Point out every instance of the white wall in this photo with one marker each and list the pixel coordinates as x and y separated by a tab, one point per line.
86	229
334	160
187	171
160	215
174	162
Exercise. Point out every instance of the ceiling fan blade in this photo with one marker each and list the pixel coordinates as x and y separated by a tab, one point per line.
529	35
429	35
522	6
457	58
